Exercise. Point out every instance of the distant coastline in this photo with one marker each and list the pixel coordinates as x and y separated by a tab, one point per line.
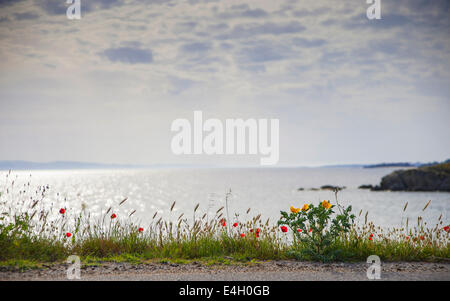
403	164
28	165
61	165
64	165
400	164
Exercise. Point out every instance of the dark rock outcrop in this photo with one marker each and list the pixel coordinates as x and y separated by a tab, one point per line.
331	187
430	178
366	186
328	187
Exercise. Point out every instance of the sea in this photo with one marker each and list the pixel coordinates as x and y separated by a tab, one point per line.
245	192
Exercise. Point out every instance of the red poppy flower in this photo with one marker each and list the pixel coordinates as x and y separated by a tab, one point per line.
283	228
422	238
62	210
141	229
299	230
257	230
242	234
257	234
235	225
310	230
68	234
370	238
113	216
407	237
251	230
371	235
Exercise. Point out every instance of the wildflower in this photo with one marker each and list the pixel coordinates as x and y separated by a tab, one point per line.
283	228
422	238
251	230
371	235
68	234
294	210
62	210
370	238
223	222
113	216
447	229
235	225
242	234
299	230
305	208
326	205
257	230
141	229
309	230
407	237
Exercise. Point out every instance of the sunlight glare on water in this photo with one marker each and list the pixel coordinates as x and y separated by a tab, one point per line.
265	191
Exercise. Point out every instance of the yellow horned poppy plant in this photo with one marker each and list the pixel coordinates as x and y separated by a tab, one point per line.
294	210
326	205
305	207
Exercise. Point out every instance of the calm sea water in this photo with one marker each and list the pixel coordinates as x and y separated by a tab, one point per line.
265	191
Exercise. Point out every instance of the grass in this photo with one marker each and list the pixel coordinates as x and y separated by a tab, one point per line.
33	231
443	168
20	265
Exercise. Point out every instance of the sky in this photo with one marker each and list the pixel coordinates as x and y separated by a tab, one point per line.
107	87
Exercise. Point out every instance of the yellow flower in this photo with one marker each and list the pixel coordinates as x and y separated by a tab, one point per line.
326	205
294	210
305	207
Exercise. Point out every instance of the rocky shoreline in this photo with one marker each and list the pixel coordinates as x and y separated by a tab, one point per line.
429	178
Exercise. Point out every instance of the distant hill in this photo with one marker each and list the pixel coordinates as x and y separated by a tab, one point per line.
27	165
404	164
399	164
55	165
435	163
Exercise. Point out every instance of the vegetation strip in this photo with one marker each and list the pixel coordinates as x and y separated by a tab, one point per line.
33	233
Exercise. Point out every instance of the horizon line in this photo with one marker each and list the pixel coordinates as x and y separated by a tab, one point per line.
24	164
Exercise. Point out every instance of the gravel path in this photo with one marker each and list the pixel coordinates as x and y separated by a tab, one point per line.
270	270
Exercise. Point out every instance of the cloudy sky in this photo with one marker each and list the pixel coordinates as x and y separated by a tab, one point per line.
106	88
